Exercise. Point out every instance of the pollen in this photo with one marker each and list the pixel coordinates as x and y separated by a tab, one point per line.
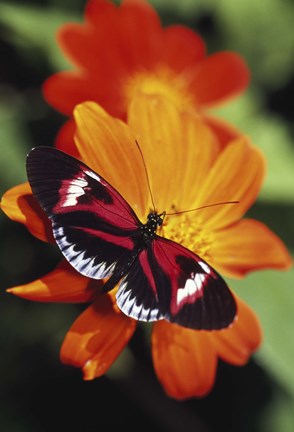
189	232
161	81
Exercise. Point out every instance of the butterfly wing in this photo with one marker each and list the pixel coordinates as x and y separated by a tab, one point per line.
176	285
137	295
92	223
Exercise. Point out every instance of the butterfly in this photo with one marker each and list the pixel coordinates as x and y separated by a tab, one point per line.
102	238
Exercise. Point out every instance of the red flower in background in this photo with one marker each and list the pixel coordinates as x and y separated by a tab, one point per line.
119	50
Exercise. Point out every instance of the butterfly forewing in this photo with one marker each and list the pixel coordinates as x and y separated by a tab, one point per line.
92	223
197	295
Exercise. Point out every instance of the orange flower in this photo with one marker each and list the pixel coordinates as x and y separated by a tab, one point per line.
185	360
120	50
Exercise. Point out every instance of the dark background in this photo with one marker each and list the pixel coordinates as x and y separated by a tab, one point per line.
38	393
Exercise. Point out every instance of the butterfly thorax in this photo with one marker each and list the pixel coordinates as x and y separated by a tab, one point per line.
148	230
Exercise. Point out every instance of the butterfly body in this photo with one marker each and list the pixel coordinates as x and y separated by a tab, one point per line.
102	238
149	229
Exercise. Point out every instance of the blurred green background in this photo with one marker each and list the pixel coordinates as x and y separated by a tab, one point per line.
40	394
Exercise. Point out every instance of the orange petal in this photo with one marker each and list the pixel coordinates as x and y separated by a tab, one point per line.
63	284
20	206
184	360
236	344
237	175
246	246
109	147
97	337
219	77
171	140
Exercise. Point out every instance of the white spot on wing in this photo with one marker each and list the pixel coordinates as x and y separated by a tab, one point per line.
74	191
192	286
93	175
204	266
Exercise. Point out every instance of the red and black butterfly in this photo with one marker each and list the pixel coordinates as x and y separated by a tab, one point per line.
102	238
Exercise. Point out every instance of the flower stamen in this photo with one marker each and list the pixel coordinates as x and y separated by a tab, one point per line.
189	232
161	81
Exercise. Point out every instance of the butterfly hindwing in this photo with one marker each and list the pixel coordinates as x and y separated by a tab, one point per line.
92	223
142	302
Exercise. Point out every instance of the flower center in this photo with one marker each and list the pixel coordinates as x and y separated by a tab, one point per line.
161	81
188	231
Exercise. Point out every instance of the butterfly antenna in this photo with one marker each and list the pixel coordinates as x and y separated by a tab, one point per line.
202	207
146	173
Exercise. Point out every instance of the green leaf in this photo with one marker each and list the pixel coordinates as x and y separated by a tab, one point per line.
271	294
36	26
263	32
13	138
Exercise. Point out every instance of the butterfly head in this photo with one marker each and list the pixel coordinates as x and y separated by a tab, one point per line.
154	220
